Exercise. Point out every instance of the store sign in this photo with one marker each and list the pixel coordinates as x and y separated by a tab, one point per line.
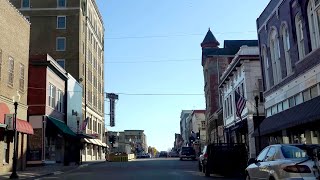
9	121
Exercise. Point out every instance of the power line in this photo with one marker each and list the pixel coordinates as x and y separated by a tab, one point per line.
133	94
159	94
176	35
151	61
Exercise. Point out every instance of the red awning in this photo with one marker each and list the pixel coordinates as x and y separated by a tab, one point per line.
24	127
3	110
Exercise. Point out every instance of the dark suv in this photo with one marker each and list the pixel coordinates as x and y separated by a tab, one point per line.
163	154
187	153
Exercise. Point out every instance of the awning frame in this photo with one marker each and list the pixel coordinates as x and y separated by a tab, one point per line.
298	115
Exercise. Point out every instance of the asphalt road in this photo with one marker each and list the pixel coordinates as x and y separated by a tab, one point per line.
141	169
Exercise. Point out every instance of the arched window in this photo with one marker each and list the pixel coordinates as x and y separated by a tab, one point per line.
275	56
300	37
266	66
286	47
313	20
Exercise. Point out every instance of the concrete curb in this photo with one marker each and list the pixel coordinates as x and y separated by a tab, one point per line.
62	172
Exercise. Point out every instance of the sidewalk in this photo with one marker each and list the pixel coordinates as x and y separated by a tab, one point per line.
40	171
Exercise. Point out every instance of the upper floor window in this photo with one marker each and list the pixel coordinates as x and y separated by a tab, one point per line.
25	4
10	71
275	56
260	86
52	96
60	101
266	66
203	124
94	100
286	47
230	99
61	62
61	44
300	36
61	22
21	78
313	20
61	3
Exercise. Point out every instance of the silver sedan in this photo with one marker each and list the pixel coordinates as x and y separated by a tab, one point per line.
284	162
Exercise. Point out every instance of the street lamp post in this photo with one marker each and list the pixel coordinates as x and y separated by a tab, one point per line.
256	98
118	134
14	174
79	141
79	158
199	138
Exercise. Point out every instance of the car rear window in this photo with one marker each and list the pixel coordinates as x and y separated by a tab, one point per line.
187	149
293	152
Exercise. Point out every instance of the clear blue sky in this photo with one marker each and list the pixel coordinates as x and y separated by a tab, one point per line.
138	31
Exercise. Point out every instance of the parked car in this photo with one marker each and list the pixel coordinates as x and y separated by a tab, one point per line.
163	154
203	159
173	154
143	155
187	153
285	161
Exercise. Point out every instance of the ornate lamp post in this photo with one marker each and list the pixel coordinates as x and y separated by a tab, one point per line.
15	100
118	134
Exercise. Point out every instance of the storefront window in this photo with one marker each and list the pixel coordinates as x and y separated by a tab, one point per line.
269	112
292	102
285	105
274	109
314	91
6	151
306	95
280	107
298	99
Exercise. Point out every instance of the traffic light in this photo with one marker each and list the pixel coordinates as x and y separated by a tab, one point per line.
112	140
198	135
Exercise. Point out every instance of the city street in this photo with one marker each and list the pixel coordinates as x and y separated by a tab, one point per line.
155	169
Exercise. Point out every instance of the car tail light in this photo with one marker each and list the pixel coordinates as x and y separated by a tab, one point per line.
205	155
297	169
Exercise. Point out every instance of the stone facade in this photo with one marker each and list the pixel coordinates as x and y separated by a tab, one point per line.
242	75
14	44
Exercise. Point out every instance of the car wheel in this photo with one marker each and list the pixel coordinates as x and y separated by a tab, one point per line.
206	172
180	159
200	167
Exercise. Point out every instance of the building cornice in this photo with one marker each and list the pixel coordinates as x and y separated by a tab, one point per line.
245	53
17	10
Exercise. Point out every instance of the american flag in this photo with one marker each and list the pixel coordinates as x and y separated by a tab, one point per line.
84	124
240	103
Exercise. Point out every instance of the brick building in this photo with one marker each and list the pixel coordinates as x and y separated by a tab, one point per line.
72	32
214	62
289	40
47	112
14	53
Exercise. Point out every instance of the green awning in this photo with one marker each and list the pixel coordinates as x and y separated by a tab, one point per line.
81	135
62	126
